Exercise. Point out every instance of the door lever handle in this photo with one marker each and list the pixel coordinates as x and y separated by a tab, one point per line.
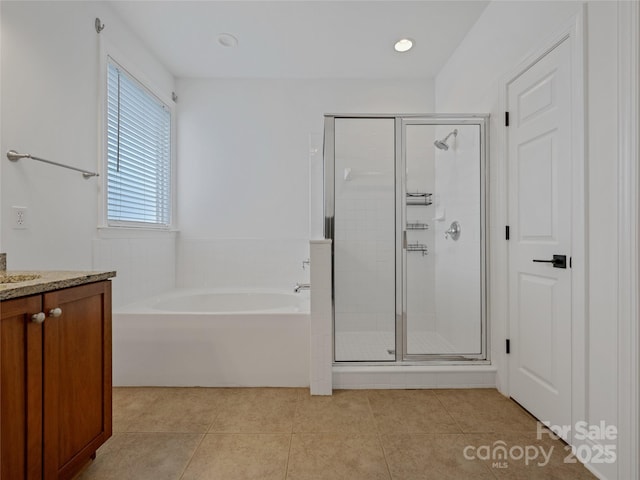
558	261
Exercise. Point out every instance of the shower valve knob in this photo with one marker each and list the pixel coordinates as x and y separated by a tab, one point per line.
453	231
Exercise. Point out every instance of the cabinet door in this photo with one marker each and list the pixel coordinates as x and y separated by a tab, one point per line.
20	390
77	377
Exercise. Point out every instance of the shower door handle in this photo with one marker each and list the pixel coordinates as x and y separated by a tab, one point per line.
559	261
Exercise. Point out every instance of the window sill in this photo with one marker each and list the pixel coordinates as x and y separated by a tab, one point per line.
135	232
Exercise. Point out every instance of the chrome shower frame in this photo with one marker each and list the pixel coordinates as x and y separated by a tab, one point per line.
401	121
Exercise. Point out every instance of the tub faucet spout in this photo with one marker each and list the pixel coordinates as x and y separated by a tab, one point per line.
301	286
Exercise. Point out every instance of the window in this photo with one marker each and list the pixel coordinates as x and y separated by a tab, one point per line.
138	153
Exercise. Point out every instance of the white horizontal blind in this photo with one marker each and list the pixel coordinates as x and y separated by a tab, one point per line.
138	152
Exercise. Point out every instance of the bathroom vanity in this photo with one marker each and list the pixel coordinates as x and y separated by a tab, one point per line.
55	372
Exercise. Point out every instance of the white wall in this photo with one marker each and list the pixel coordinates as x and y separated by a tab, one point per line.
243	173
50	90
505	34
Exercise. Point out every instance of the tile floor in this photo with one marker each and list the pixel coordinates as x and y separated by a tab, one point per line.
279	433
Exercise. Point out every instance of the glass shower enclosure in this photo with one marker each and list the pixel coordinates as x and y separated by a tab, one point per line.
405	201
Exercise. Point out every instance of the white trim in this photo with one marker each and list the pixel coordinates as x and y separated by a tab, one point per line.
413	376
573	32
579	219
499	297
1	210
125	232
108	49
628	254
499	265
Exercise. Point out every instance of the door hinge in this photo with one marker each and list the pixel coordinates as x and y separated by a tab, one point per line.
506	119
508	346
506	232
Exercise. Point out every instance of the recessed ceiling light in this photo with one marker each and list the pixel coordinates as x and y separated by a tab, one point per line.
403	45
227	40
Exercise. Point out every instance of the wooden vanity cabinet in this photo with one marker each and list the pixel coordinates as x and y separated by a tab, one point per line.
55	382
20	390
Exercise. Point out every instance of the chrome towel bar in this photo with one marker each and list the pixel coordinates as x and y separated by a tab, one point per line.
15	156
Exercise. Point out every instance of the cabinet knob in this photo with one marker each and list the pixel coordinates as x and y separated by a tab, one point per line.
38	317
55	312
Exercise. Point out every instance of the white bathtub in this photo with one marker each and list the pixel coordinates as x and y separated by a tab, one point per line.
213	339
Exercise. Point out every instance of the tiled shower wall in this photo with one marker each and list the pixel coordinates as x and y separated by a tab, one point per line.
364	252
457	263
420	269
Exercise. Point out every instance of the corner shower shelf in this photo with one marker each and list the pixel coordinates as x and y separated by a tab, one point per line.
419	198
417	226
417	247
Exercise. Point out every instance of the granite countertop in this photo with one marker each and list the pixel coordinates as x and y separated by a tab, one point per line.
47	281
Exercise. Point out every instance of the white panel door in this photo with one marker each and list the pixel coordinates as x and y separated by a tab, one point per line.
539	164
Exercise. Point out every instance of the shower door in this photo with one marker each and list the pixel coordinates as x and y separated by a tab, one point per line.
365	239
404	206
442	216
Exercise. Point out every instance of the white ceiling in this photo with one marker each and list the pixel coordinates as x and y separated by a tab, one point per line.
301	39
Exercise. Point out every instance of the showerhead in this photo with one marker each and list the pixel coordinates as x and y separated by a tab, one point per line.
442	144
